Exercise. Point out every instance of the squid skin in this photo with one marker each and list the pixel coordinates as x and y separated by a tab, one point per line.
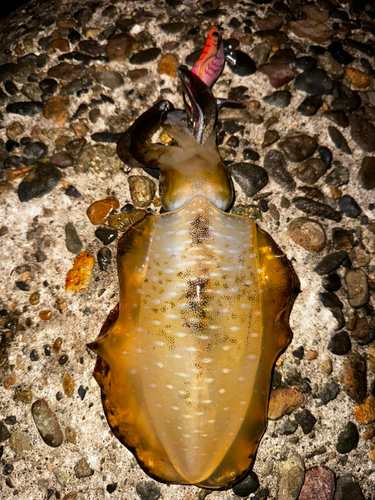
185	359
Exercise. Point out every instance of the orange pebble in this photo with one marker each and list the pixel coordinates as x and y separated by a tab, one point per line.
99	211
79	276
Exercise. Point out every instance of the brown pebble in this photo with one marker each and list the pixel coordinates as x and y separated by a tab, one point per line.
142	190
99	211
311	354
371	455
71	435
3	231
55	109
361	329
62	160
68	385
371	359
365	413
168	65
283	401
326	365
71	496
57	345
308	234
122	222
312	30
25	396
79	276
359	79
34	298
119	47
368	434
60	44
10	381
353	376
137	74
82	469
80	129
45	315
47	423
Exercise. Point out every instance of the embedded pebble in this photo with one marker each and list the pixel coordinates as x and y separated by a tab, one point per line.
279	98
247	486
331	282
344	99
319	484
25	108
338	176
359	79
47	423
306	420
110	79
122	222
99	211
348	488
310	171
244	66
72	240
119	47
4	433
142	190
298	147
278	74
328	393
39	181
270	137
330	262
339	343
275	165
148	490
310	105
168	65
349	206
104	258
307	233
339	140
106	235
79	277
353	376
348	438
145	56
82	469
250	177
62	159
20	443
312	30
365	413
55	109
48	86
283	401
362	132
291	474
366	174
337	117
99	159
311	207
315	82
361	329
357	288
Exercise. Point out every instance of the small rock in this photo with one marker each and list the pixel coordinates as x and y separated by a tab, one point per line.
339	140
298	147
4	433
66	71
330	66
244	66
349	206
72	192
39	182
20	443
328	393
330	262
340	343
362	132
142	190
307	233
48	86
119	47
250	155
289	427
99	211
168	65
82	469
344	99
291	475
310	105
306	420
339	53
348	488
122	222
357	288
91	47
104	258
275	165
148	490
250	177
247	486
305	63
56	109
100	159
47	423
279	98
337	117
353	376
361	329
145	56
315	82
348	438
325	155
79	276
365	413
270	137
319	484
25	108
68	385
283	401
72	240
366	174
62	159
312	30
317	209
278	74
106	235
310	171
337	177
359	79
331	282
110	79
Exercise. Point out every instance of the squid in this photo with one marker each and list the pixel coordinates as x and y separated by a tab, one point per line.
185	359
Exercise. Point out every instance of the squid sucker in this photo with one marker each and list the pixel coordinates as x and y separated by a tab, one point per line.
185	359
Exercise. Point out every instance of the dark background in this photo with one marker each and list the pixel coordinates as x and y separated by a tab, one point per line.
8	6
